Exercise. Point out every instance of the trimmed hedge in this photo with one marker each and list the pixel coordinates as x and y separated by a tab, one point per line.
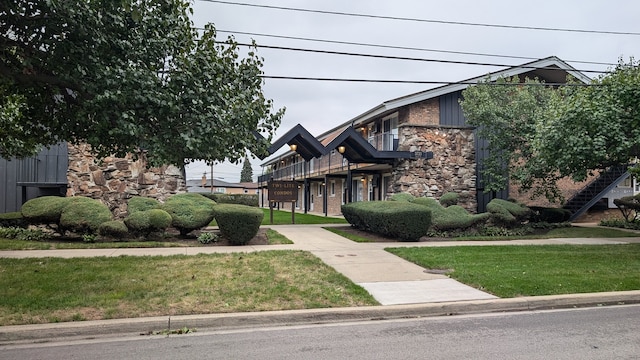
113	229
189	211
44	210
148	221
398	219
449	199
13	219
451	218
507	213
240	199
238	223
139	203
83	215
79	214
402	197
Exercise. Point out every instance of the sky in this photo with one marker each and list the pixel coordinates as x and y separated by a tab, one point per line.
322	105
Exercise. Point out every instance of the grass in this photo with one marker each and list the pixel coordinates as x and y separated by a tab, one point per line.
568	232
284	218
53	289
511	271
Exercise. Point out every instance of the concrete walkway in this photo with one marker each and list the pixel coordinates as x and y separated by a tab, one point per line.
388	278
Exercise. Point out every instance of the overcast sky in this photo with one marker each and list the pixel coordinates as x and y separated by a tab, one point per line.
321	105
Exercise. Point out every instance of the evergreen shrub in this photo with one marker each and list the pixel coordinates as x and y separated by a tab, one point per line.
449	199
507	213
148	221
402	197
453	218
44	210
397	219
113	229
140	203
189	211
238	223
240	199
83	215
13	219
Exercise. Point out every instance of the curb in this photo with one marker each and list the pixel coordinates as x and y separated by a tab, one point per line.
15	334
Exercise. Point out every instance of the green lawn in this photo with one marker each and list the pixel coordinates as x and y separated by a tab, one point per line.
567	232
511	271
53	289
284	218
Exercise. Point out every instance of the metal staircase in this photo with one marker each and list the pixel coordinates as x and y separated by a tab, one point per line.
595	190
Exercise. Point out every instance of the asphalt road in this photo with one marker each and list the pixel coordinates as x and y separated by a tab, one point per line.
588	333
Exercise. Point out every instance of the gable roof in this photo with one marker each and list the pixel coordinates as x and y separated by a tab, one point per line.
550	68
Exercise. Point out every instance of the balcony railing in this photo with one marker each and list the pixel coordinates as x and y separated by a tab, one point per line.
332	162
384	142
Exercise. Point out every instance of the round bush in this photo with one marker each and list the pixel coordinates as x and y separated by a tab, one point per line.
44	210
189	211
113	229
238	223
84	215
148	221
139	203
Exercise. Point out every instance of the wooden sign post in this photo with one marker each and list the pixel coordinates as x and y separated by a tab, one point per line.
283	191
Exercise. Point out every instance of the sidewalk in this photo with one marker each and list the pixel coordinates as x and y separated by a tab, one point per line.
403	288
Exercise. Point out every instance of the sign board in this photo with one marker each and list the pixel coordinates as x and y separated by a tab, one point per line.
282	191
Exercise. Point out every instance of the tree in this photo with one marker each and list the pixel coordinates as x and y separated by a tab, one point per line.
126	76
540	134
247	172
506	113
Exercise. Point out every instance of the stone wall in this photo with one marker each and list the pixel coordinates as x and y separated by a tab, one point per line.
115	180
452	169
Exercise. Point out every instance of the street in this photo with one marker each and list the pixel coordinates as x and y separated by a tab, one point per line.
589	333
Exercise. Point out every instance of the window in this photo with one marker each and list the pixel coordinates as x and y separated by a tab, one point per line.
320	187
389	131
333	188
221	190
626	182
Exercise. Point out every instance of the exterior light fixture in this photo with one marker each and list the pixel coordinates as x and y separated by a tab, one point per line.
293	147
341	149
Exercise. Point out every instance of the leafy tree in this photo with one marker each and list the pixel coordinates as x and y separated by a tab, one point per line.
127	75
539	134
506	114
593	127
247	172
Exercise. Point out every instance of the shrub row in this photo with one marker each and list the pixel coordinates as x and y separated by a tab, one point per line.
398	219
240	199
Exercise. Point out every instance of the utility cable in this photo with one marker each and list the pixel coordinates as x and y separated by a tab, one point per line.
501	26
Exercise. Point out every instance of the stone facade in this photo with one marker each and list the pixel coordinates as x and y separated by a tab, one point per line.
115	180
452	169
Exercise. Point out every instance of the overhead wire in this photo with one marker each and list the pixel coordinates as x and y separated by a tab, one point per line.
400	47
397	18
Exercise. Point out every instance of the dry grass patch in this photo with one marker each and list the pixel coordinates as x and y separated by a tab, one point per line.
51	289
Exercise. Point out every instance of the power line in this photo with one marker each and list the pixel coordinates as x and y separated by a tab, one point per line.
429	82
401	47
500	26
391	57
